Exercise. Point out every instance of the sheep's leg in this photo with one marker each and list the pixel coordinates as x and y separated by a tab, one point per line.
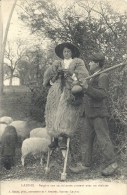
63	175
23	160
42	159
34	155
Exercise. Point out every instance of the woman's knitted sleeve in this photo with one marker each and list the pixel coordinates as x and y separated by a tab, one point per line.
50	73
80	70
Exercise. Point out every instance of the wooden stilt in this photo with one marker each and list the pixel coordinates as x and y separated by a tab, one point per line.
64	174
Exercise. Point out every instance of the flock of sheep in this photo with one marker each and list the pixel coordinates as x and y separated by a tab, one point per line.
34	138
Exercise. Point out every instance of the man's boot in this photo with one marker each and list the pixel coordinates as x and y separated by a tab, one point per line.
79	168
63	142
54	144
110	169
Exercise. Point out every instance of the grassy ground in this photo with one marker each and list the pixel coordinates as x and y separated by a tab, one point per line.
16	103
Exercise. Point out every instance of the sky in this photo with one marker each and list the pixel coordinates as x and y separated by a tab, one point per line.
18	30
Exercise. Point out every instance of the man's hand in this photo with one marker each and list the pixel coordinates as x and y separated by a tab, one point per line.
85	85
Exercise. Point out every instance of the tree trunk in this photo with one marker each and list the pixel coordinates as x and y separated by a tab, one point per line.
11	78
10	82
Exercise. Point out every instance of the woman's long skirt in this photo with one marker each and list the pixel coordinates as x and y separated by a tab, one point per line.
61	116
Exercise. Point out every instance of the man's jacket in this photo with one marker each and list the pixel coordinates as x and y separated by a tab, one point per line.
96	95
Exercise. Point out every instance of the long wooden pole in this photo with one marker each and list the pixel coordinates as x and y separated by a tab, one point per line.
107	70
1	39
4	40
7	27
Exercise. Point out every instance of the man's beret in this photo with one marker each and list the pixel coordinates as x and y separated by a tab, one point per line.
97	57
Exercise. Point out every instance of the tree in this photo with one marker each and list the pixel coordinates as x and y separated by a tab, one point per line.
13	54
91	29
45	18
31	73
31	68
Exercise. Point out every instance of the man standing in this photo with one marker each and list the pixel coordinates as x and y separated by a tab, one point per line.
96	114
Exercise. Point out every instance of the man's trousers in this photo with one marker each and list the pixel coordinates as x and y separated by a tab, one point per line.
99	127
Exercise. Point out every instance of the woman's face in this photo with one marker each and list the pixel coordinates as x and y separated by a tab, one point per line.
67	54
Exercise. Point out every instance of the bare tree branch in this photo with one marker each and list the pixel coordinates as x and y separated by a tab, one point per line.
88	9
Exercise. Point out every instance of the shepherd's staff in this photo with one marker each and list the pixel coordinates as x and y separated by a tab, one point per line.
107	69
77	88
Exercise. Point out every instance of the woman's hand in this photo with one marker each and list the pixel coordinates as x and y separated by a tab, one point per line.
60	70
67	72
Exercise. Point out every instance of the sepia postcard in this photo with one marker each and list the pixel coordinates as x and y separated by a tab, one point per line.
61	131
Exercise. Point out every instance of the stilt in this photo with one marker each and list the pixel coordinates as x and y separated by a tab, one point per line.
64	174
47	168
65	155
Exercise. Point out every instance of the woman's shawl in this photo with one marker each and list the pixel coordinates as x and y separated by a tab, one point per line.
77	66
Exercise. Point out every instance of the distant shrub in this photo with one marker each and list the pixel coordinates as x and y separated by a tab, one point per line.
38	101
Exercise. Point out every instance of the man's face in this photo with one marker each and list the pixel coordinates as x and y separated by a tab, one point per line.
93	66
67	54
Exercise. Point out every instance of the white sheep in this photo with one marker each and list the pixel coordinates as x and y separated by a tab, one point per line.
6	119
2	129
34	145
23	128
40	132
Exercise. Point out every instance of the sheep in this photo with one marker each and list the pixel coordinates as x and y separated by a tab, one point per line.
6	119
2	129
23	128
34	145
8	146
40	132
